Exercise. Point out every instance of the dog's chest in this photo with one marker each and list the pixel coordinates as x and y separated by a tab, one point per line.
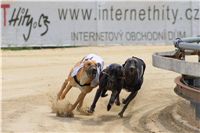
80	87
129	84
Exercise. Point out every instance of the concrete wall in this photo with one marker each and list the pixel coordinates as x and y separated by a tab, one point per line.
68	23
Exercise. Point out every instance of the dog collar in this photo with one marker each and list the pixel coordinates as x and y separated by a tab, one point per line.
76	80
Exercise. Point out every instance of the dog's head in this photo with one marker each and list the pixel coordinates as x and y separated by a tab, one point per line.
130	67
115	74
115	71
90	67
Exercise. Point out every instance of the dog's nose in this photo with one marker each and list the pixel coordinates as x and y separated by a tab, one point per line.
94	70
132	68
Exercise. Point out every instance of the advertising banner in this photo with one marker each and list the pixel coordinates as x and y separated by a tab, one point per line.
41	24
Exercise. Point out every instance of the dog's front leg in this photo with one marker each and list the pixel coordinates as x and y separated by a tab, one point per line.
96	98
128	100
103	93
62	89
65	91
117	101
80	104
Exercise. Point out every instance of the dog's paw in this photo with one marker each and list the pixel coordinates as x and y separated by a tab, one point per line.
120	115
84	111
123	101
58	114
109	107
117	103
69	114
62	97
90	110
65	114
104	95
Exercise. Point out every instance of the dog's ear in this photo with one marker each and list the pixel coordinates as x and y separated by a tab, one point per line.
99	65
124	63
103	74
109	67
82	59
103	79
84	63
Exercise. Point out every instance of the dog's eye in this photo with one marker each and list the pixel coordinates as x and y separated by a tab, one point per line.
89	64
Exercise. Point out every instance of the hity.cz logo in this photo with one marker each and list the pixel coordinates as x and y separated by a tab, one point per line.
21	17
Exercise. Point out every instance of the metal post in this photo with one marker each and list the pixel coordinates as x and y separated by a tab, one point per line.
199	56
191	39
188	46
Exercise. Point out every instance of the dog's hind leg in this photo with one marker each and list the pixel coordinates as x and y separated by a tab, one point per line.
80	98
62	89
129	99
124	100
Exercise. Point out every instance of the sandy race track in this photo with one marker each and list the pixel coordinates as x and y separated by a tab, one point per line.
31	77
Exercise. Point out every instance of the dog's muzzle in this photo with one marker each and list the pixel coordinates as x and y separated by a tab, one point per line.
131	70
92	72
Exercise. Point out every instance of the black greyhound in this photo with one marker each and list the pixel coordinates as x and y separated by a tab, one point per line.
134	71
111	78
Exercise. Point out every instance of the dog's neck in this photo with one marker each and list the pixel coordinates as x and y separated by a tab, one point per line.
84	77
130	79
